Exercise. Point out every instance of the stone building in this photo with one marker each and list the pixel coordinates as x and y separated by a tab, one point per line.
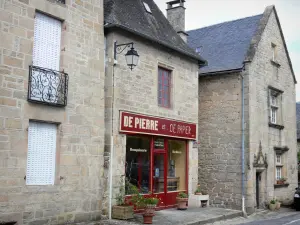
152	109
51	111
249	76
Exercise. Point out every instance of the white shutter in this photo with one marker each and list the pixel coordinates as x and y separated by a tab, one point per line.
46	54
41	154
46	45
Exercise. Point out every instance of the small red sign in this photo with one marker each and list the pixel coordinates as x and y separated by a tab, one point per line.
142	124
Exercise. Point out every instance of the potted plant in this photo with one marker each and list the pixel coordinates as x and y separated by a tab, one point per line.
149	205
277	203
182	200
272	205
281	180
123	210
198	190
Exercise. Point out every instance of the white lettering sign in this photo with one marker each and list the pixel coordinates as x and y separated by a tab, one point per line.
138	150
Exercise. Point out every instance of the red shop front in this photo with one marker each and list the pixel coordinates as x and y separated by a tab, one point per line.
157	155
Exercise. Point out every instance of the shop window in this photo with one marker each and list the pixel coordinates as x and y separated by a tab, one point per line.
137	165
164	87
176	180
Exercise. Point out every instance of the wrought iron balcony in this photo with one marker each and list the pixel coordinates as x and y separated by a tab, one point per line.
47	86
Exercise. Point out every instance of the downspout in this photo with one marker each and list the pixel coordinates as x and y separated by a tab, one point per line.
111	139
243	144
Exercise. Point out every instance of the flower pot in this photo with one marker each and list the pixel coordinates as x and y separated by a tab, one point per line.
272	207
203	203
198	193
148	218
280	182
122	212
277	205
150	209
182	203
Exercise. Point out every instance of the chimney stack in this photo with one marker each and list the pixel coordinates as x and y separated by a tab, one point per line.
176	16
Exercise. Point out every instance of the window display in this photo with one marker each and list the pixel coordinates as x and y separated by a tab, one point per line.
137	166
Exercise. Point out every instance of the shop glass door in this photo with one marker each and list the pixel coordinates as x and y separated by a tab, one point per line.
159	170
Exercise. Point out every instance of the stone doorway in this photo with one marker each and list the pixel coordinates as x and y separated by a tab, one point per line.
258	184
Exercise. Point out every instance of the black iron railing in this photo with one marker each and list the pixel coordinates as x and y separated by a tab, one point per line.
47	86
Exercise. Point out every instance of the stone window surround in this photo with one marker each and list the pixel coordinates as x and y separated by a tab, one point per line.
171	91
57	177
280	150
274	59
277	92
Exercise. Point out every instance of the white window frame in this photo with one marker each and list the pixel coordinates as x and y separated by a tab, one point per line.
278	174
278	159
273	115
273	107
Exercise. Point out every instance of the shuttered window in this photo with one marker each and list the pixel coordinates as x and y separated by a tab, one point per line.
41	153
164	87
46	45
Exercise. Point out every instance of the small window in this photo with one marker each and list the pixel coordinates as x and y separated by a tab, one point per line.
41	153
278	172
274	52
278	159
164	87
147	7
273	115
274	107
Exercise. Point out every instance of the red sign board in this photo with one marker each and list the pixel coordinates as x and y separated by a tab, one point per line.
142	124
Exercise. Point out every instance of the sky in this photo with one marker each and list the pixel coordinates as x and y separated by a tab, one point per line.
201	13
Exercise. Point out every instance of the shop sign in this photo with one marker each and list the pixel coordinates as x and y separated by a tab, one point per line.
138	150
137	123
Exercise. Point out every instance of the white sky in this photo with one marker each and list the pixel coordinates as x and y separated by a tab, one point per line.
201	13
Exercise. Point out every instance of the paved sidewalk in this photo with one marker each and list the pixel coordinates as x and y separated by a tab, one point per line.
192	216
261	217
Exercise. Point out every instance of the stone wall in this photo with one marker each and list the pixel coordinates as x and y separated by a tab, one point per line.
136	91
77	196
262	74
220	171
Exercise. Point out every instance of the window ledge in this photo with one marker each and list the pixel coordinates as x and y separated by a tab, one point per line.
277	126
281	149
281	185
275	63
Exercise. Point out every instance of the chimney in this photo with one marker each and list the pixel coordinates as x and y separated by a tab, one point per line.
176	17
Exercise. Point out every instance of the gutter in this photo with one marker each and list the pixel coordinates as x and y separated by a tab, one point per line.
201	62
222	72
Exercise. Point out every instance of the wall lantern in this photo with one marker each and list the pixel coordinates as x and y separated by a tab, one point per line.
132	57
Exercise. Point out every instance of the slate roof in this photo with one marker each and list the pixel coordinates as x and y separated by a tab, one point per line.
131	15
224	45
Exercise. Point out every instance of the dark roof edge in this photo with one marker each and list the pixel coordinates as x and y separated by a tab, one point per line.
221	72
257	37
200	60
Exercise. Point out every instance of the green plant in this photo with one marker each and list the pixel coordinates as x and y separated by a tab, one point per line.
151	201
182	195
298	155
273	201
282	179
198	190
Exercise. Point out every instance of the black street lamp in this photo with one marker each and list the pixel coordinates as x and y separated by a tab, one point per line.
132	57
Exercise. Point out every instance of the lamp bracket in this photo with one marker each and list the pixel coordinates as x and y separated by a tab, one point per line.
118	49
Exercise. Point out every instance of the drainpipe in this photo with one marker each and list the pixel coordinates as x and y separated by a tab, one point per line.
243	145
111	141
